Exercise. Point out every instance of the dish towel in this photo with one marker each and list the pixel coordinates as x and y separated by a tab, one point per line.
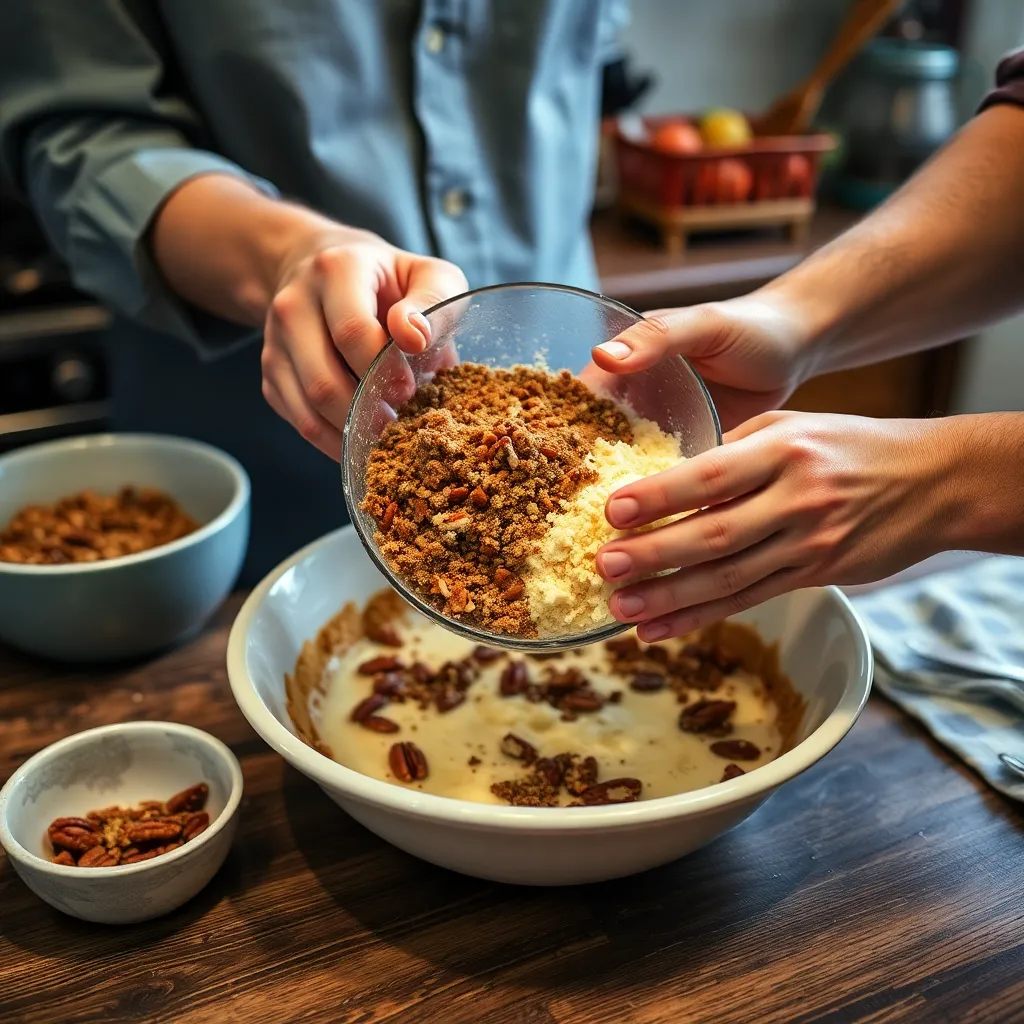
979	607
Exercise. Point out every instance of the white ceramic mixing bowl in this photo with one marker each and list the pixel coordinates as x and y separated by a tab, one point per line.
824	650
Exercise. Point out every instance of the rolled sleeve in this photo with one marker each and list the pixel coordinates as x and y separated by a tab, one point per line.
1009	81
93	136
105	221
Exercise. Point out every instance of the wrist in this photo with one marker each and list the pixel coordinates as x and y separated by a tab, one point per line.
984	477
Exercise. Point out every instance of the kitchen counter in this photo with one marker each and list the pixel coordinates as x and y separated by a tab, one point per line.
634	269
884	884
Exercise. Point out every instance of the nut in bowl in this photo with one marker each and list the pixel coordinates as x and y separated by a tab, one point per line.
122	823
821	648
476	471
116	545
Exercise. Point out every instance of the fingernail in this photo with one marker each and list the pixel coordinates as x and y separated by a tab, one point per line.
655	631
623	511
422	324
616	349
615	564
631	604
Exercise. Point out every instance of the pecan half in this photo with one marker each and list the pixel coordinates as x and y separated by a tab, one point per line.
391	685
138	855
515	747
378	723
583	701
75	838
98	857
614	791
368	706
382	663
61	823
579	776
407	762
151	831
736	750
647	682
485	655
191	799
197	823
711	716
732	771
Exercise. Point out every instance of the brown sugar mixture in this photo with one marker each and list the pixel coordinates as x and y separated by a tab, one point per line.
87	527
460	485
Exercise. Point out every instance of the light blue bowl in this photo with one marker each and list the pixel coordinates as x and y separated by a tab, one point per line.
123	607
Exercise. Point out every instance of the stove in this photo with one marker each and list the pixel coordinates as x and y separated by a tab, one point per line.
53	361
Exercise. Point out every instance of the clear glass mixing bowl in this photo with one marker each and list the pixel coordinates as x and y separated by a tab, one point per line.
515	325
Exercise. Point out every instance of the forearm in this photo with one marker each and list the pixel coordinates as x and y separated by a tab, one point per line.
940	259
983	480
221	244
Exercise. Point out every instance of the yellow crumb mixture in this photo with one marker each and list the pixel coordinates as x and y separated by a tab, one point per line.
566	593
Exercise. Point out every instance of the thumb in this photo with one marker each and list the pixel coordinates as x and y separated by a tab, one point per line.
695	332
428	281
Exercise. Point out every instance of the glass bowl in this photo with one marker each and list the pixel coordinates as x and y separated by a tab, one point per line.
515	325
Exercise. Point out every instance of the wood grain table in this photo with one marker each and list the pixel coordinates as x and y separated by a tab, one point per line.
886	884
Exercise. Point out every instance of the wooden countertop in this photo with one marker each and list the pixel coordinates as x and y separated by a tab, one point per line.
634	269
884	884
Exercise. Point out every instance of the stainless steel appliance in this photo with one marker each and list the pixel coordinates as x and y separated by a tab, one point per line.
53	368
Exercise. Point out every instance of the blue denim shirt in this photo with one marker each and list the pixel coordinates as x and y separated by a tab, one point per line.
461	128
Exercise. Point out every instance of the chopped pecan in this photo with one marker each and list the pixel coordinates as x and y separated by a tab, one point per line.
479	497
457	493
449	698
515	747
514	590
710	716
551	770
513	679
191	799
732	771
65	858
578	776
614	791
391	685
383	634
387	520
407	762
736	750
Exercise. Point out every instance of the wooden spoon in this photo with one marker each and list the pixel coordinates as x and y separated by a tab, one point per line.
793	113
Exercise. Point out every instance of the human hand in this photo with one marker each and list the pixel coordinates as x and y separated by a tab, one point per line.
790	500
751	351
340	293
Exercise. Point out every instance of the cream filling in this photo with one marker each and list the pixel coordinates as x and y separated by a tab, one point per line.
637	738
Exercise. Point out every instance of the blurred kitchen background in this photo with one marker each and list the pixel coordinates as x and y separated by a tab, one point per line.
927	70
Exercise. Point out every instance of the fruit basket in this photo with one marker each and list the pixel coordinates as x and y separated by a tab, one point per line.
683	185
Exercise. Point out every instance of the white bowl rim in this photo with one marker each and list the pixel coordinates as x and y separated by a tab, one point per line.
239	497
413	803
17	851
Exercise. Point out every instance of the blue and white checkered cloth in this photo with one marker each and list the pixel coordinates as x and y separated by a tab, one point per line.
979	607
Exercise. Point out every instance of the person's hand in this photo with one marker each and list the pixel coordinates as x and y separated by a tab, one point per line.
751	351
790	500
340	293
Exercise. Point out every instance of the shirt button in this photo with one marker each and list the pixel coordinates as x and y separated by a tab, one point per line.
454	202
434	39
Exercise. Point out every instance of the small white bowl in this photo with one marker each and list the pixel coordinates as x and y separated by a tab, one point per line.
823	648
120	764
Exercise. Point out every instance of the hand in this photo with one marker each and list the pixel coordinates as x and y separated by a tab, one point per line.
750	351
340	293
790	500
